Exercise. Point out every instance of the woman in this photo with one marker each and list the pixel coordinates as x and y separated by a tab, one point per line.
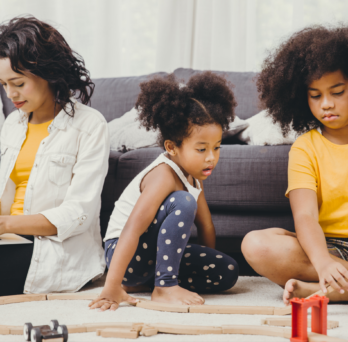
54	158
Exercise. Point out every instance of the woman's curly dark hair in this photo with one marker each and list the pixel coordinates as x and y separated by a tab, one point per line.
38	48
287	72
172	107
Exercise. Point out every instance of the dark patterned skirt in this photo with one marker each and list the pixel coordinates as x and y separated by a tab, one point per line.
338	247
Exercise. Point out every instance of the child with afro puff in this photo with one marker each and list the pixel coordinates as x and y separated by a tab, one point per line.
146	244
304	85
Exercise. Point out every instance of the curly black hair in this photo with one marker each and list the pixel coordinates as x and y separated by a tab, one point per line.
287	72
38	48
172	107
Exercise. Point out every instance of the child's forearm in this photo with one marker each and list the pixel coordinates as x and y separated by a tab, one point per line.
312	240
123	254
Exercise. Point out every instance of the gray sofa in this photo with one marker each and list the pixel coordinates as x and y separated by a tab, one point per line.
245	191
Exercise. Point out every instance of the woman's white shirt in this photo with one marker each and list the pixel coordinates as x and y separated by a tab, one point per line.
65	186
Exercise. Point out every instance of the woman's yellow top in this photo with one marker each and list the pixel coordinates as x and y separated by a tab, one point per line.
318	164
25	161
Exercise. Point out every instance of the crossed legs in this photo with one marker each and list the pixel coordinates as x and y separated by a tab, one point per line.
276	254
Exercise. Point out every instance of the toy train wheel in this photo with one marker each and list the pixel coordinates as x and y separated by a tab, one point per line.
36	335
54	324
27	331
62	329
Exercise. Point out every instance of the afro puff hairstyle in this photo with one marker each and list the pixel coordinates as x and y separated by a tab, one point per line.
168	105
287	72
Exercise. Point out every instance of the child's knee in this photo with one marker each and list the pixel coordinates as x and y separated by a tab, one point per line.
183	200
255	246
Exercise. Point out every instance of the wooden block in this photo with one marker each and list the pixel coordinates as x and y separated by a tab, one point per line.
73	296
286	322
4	330
286	310
256	330
150	305
22	298
91	327
228	309
16	330
59	339
76	329
137	326
120	333
321	293
313	337
149	331
180	329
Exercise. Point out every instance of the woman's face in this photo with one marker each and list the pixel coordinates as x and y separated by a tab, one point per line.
28	92
328	100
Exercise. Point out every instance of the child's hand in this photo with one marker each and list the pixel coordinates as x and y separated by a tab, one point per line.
111	299
334	274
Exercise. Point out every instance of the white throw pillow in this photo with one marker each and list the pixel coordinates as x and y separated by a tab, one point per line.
235	127
126	134
262	131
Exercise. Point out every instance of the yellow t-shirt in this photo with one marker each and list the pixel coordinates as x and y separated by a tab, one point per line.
318	164
24	163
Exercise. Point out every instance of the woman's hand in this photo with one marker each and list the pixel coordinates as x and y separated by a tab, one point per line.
111	299
334	274
3	224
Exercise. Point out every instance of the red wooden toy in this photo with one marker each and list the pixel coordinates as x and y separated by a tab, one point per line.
299	317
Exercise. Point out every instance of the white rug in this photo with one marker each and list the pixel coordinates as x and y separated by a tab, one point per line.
248	291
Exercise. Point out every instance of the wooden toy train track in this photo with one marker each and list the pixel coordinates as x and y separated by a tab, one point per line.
134	330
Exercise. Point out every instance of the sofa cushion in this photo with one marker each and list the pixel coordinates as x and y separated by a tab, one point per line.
247	178
244	89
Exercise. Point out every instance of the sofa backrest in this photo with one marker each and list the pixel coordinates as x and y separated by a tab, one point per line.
115	96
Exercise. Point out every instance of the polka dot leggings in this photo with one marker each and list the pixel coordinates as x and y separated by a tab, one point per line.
164	259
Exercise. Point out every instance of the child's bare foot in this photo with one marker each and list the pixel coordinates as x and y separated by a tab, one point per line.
136	289
300	289
176	295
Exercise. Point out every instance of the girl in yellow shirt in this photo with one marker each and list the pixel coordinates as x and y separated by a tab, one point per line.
304	85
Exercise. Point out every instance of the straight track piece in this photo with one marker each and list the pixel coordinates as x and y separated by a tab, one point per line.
227	309
76	329
16	330
120	333
72	296
162	306
256	330
286	322
92	327
149	331
313	337
22	298
180	329
4	330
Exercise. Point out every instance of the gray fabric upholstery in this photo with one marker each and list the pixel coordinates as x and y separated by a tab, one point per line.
115	96
244	89
247	178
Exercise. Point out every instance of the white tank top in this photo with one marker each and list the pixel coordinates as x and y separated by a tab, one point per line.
125	204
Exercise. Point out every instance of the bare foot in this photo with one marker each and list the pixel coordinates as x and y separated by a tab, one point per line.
176	295
300	289
136	289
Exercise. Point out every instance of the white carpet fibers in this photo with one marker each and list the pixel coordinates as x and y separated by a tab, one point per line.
248	291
